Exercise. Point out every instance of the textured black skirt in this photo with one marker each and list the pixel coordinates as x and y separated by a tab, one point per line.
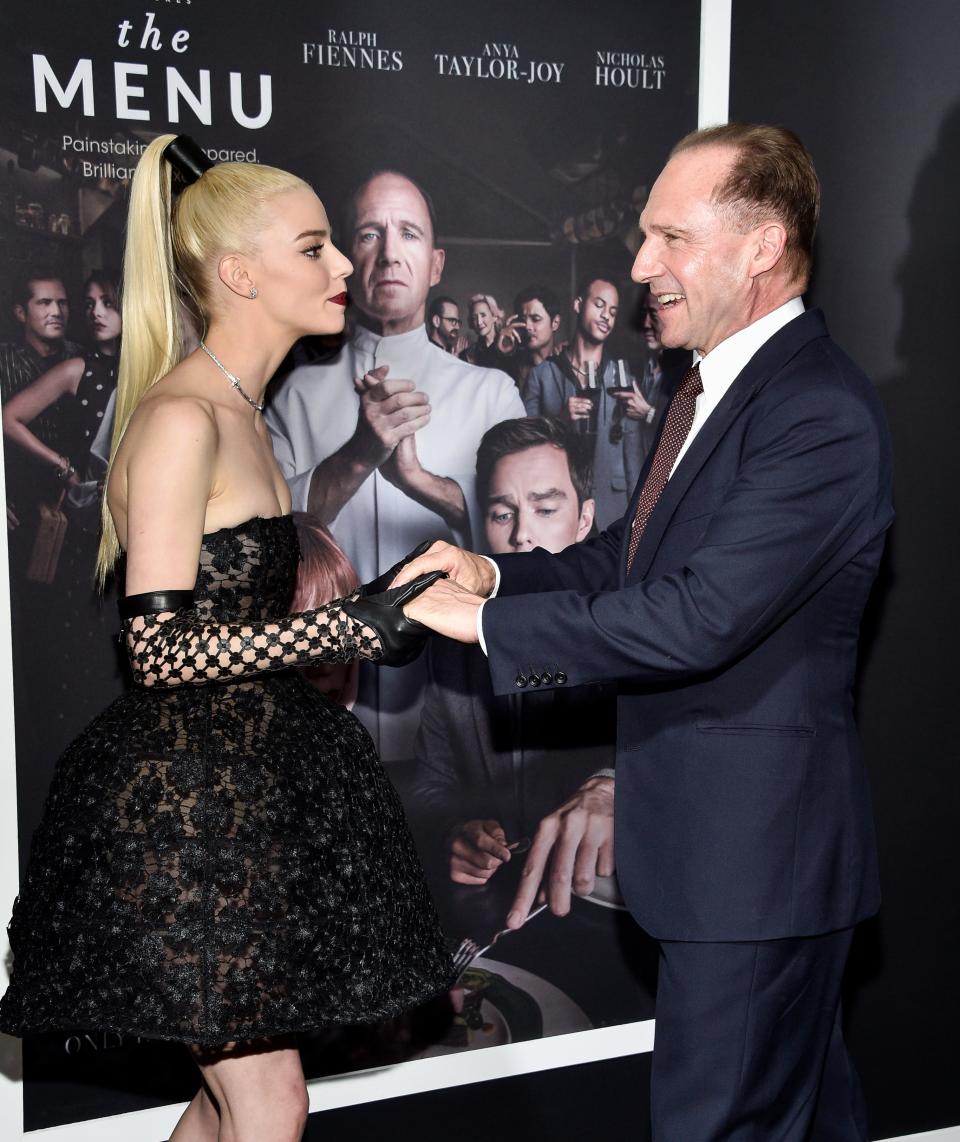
218	863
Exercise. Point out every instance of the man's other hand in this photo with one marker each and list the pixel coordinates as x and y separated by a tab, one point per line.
472	572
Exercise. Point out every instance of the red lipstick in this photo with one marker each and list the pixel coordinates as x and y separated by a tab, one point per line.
340	298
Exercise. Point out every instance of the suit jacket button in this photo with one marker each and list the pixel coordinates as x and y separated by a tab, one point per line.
560	678
546	678
520	680
534	679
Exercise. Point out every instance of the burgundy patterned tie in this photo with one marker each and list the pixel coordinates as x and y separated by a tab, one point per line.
676	428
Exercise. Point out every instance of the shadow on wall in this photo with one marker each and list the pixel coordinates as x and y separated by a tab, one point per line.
922	399
927	277
906	692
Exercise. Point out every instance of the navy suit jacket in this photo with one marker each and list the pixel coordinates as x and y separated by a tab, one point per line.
742	810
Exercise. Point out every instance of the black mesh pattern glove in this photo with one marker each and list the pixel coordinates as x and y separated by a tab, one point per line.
401	639
170	644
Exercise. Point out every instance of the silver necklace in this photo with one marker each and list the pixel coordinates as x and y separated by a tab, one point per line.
235	381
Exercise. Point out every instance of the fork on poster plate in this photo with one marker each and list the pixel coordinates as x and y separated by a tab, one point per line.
469	950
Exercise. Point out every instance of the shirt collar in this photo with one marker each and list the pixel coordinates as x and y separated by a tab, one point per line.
402	352
723	364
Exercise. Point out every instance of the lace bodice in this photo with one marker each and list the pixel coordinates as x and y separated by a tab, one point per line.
238	623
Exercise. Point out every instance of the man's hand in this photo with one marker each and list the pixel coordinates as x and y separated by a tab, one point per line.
576	843
578	408
390	411
472	572
634	406
477	850
445	608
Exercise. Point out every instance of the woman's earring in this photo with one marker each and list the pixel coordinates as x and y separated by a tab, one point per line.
253	291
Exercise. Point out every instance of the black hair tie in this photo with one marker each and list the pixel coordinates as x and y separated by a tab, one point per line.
187	158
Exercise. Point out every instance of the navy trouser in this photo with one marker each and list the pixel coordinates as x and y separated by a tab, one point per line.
749	1046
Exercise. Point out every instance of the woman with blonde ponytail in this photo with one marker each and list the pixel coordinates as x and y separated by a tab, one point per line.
222	861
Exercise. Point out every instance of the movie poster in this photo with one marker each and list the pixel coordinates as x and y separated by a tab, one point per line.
484	169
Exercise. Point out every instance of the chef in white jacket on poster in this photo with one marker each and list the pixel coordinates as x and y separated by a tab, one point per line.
381	441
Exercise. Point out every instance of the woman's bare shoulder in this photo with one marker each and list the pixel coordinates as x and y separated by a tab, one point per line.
172	408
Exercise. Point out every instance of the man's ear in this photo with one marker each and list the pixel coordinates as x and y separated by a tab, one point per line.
20	313
555	323
435	321
770	246
577	305
235	275
437	262
588	509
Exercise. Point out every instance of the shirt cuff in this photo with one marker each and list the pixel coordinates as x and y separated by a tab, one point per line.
496	572
480	638
496	587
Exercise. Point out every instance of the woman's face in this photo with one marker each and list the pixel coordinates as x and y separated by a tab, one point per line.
481	320
299	273
102	315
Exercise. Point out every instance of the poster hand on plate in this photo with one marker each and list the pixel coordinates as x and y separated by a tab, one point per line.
572	847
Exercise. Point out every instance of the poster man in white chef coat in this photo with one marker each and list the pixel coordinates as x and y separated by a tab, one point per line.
381	441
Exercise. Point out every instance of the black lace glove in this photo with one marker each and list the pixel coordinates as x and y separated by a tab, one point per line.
169	643
401	639
382	582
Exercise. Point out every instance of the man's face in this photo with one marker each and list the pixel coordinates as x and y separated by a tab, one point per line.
597	312
696	265
44	317
393	252
532	503
447	324
539	324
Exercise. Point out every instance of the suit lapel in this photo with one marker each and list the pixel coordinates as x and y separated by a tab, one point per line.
772	356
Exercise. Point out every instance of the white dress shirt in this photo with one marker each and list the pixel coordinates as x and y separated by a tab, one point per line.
718	370
722	365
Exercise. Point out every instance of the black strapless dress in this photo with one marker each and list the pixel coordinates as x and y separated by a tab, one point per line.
224	861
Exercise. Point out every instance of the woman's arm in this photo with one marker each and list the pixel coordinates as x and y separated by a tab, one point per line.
173	648
35	399
169	473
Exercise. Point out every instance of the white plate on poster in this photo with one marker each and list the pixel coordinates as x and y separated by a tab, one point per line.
518	1002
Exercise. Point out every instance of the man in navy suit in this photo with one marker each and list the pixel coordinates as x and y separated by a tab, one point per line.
726	605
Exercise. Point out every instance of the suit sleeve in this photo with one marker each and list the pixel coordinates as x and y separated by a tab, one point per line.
811	492
589	566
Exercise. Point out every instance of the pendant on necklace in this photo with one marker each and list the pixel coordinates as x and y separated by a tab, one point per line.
234	380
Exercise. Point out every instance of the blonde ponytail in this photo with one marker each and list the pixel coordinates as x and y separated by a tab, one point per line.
169	263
